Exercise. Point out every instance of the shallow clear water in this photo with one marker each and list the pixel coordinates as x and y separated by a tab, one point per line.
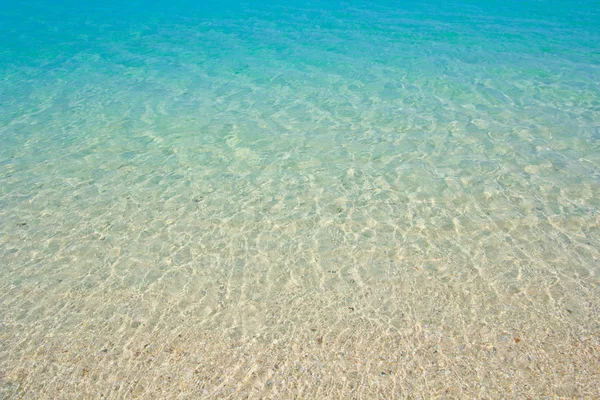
281	199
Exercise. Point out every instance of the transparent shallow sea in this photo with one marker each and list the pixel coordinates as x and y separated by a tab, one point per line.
362	199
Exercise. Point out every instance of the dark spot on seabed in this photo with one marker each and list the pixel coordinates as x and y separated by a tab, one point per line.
198	199
21	224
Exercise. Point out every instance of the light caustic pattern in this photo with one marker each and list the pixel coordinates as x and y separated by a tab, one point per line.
300	202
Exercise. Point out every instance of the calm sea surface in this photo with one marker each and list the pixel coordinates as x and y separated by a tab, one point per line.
300	199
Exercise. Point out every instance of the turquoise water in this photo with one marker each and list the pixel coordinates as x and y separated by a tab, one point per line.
300	200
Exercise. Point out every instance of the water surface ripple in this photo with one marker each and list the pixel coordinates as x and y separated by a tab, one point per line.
300	200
